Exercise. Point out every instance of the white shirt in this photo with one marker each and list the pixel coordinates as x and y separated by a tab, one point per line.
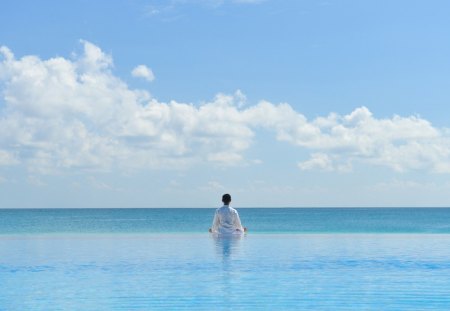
226	221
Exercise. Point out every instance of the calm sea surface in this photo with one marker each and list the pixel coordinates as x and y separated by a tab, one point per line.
197	220
164	259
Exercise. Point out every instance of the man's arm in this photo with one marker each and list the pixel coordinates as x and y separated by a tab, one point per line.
237	223
215	224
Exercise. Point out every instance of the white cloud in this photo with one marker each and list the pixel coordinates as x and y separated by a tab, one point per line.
402	143
7	158
76	114
7	54
175	8
325	162
94	182
143	71
212	185
318	161
60	114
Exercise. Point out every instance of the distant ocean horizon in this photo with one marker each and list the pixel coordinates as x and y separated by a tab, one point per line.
197	220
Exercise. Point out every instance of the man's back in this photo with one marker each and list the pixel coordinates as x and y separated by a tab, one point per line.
226	221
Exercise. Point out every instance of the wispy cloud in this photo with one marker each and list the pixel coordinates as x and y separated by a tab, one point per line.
144	72
101	185
36	181
249	1
212	185
176	7
63	114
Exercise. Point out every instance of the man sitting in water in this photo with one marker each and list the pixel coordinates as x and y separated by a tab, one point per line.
226	220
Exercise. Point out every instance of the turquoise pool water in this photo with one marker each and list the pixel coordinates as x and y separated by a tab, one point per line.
140	269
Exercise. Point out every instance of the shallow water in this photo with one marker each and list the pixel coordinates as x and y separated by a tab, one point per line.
163	259
160	271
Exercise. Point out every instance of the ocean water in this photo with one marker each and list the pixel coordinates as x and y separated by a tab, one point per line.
198	220
164	259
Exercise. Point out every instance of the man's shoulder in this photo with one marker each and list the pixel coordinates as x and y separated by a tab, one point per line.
226	208
233	210
220	209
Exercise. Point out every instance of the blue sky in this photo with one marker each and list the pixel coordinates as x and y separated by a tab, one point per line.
171	103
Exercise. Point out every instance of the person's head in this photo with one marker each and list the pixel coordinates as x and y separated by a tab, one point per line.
226	199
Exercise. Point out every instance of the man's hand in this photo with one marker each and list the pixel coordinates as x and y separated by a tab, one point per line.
245	229
210	230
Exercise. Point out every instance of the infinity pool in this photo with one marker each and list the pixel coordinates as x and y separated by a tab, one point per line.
200	272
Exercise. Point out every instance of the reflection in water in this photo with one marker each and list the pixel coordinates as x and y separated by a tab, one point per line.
227	244
227	248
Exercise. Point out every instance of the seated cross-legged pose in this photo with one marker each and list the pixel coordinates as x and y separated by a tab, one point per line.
226	219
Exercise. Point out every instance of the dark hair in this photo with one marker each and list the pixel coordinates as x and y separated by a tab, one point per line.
226	198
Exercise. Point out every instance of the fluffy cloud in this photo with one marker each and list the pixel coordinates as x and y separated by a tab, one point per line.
63	113
400	143
319	161
60	113
143	71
